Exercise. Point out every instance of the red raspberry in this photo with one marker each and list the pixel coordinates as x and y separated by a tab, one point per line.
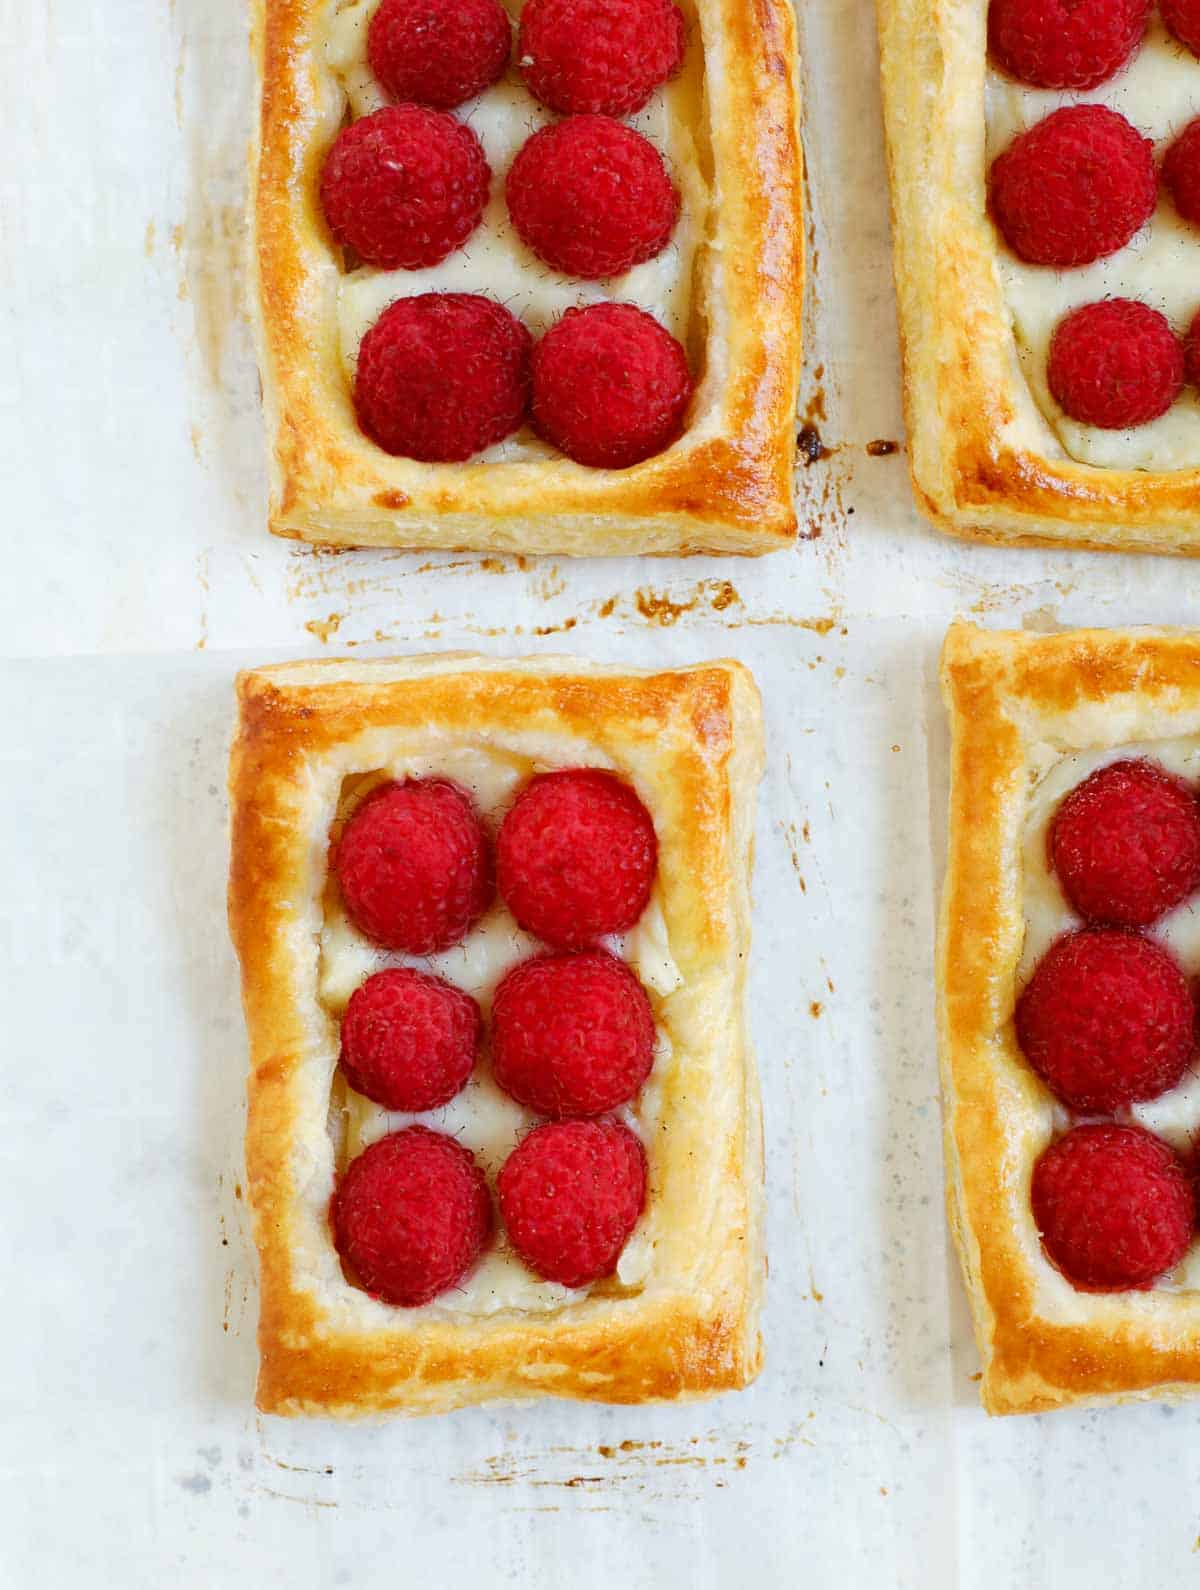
1073	44
572	1034
576	857
1181	172
1114	1207
409	1041
1126	844
591	197
1106	1020
441	376
610	386
1115	363
1183	19
602	56
570	1194
413	866
438	52
411	1215
404	186
1191	351
1074	188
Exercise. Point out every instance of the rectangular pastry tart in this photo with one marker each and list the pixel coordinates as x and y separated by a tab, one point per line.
530	296
1047	262
504	1137
1070	938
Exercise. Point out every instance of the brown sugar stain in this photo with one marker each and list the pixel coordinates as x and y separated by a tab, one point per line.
816	1009
323	628
148	240
882	449
656	607
789	833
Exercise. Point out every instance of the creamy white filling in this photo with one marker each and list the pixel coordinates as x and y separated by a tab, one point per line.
1159	92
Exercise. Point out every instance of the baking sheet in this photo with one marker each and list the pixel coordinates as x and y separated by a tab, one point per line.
138	578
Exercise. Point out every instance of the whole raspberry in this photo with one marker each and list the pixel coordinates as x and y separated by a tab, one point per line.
1126	844
576	857
572	1034
1191	350
570	1194
411	1215
1073	188
404	186
610	386
409	1041
1114	1206
1106	1020
1073	44
438	52
1181	172
602	56
441	376
591	197
1115	363
1183	19
413	866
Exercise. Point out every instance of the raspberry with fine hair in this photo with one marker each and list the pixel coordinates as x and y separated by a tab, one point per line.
414	867
572	1034
1191	350
409	1041
1073	188
1115	363
1114	1205
404	187
599	56
1181	172
610	386
441	376
438	52
411	1216
1072	44
591	197
1125	844
1106	1020
570	1194
1183	19
576	857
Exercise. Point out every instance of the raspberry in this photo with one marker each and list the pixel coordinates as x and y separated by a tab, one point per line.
1114	1207
1074	188
438	52
1181	172
602	56
610	386
1106	1020
591	197
441	376
413	865
409	1041
570	1194
411	1215
576	857
1183	19
1115	363
572	1034
1073	44
1126	844
404	186
1191	351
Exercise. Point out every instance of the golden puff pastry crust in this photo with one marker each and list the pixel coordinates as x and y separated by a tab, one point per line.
1017	703
690	741
985	464
725	486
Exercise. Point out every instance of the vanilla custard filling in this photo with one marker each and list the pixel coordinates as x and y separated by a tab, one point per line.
1159	93
482	1117
494	261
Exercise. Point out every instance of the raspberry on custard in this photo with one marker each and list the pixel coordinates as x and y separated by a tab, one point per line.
1191	350
404	187
409	1041
576	857
441	376
1072	44
1115	364
1073	188
599	56
414	867
1125	844
570	1194
572	1034
1183	19
438	52
1106	1020
1114	1206
1181	172
411	1215
591	197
